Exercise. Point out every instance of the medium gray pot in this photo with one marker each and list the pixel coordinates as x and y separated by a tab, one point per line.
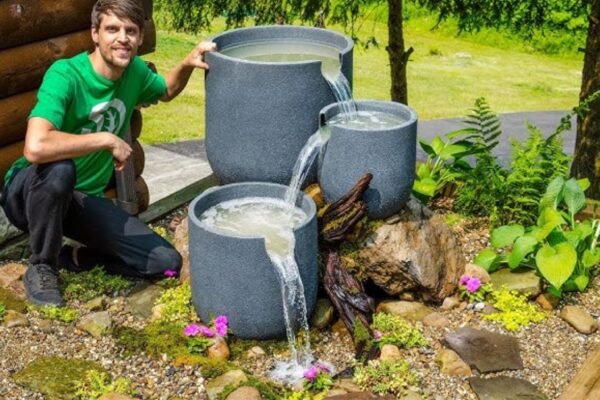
389	154
234	275
259	115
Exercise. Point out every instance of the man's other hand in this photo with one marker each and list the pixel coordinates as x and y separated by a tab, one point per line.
196	57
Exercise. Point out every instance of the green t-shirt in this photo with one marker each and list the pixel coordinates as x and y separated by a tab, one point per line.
77	100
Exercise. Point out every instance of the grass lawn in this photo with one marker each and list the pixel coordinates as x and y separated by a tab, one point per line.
445	76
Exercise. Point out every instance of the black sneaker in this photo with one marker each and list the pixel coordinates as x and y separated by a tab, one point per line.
41	285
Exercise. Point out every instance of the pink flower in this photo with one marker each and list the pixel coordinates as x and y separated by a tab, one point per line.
170	273
192	330
311	373
377	335
473	285
221	325
206	332
464	280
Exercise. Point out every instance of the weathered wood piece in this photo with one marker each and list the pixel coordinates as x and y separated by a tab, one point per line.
136	124
27	21
13	116
22	68
586	383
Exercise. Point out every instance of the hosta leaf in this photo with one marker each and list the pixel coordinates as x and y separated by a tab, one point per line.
423	171
573	196
581	281
556	264
523	246
506	235
553	194
548	220
590	258
584	183
488	259
425	187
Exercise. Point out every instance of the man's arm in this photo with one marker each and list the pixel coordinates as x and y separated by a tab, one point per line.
44	144
178	78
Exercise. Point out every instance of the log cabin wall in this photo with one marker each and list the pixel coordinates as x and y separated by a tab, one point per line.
34	34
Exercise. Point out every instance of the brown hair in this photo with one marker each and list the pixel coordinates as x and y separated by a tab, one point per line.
130	9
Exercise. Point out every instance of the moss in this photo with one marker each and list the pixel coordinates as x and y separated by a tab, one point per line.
382	377
240	347
453	219
55	377
11	301
63	314
131	341
209	367
96	384
87	285
2	312
362	337
397	331
177	307
268	390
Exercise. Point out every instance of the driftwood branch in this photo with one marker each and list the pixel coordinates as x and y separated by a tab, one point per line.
346	293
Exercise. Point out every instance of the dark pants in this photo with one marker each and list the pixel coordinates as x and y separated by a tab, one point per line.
41	200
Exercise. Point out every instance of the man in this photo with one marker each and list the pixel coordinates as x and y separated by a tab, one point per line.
73	144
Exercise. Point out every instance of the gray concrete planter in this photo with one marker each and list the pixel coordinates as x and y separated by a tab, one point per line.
234	275
389	154
260	114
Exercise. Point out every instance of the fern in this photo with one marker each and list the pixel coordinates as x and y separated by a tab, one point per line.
484	124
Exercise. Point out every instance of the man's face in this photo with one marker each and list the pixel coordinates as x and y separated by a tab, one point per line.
118	40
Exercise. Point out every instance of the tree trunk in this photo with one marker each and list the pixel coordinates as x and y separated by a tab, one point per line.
398	56
586	163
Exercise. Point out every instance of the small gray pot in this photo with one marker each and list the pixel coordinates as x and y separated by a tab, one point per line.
234	275
259	115
389	154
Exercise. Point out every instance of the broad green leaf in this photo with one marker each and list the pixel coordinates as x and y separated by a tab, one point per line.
574	197
460	132
426	187
590	258
523	246
556	264
451	151
427	148
488	259
423	171
583	183
438	145
548	220
553	194
581	281
506	235
584	229
573	237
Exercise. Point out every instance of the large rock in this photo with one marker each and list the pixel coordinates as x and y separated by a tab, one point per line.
525	282
410	310
486	351
11	273
141	302
245	393
417	251
181	243
504	387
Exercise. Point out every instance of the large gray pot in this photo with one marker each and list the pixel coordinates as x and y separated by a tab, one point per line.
234	275
259	115
389	154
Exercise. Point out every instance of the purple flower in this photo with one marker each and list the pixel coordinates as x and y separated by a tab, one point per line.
464	280
192	330
473	285
170	273
311	373
377	335
221	325
206	332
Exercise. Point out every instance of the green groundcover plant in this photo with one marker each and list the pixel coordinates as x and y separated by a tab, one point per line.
96	384
385	376
562	249
514	311
2	311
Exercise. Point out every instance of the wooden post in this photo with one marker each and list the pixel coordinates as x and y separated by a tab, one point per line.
13	116
8	154
586	384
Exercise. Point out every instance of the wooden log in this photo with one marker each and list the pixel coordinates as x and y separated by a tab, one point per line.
13	116
8	155
136	124
586	384
27	21
22	68
143	194
139	158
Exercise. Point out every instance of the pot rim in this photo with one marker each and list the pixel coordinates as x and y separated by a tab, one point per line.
342	51
195	220
370	105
